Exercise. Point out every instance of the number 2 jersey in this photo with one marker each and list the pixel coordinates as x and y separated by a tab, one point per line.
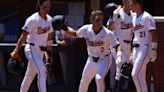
97	44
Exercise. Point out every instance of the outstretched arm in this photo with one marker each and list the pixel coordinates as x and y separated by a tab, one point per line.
70	33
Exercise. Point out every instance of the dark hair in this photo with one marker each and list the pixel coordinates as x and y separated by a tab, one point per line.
40	2
140	2
95	13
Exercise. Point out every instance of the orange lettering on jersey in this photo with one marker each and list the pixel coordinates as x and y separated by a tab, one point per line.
126	25
94	43
43	30
137	27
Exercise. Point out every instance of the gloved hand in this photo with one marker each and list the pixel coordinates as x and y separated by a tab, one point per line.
153	56
126	70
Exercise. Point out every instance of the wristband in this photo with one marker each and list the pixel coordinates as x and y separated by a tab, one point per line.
154	45
119	53
48	59
16	51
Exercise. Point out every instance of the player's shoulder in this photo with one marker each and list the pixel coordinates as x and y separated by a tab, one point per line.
117	9
86	26
49	17
32	18
116	13
147	15
107	30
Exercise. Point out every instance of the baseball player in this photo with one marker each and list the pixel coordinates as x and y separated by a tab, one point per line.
98	39
36	31
144	44
122	21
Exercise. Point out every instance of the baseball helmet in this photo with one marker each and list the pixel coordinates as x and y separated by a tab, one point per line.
59	22
14	66
109	8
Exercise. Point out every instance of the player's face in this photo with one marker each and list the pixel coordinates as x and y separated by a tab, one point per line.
126	3
45	7
133	6
98	20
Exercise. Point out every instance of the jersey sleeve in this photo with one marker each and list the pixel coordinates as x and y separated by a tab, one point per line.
116	14
81	31
113	41
28	25
51	29
116	17
151	23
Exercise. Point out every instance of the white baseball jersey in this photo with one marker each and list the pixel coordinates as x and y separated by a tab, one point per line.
123	24
38	29
142	25
97	44
123	32
141	54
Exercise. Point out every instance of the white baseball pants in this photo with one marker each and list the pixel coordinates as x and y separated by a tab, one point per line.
35	66
95	69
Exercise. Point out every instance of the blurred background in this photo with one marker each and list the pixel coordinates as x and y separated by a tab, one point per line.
12	17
